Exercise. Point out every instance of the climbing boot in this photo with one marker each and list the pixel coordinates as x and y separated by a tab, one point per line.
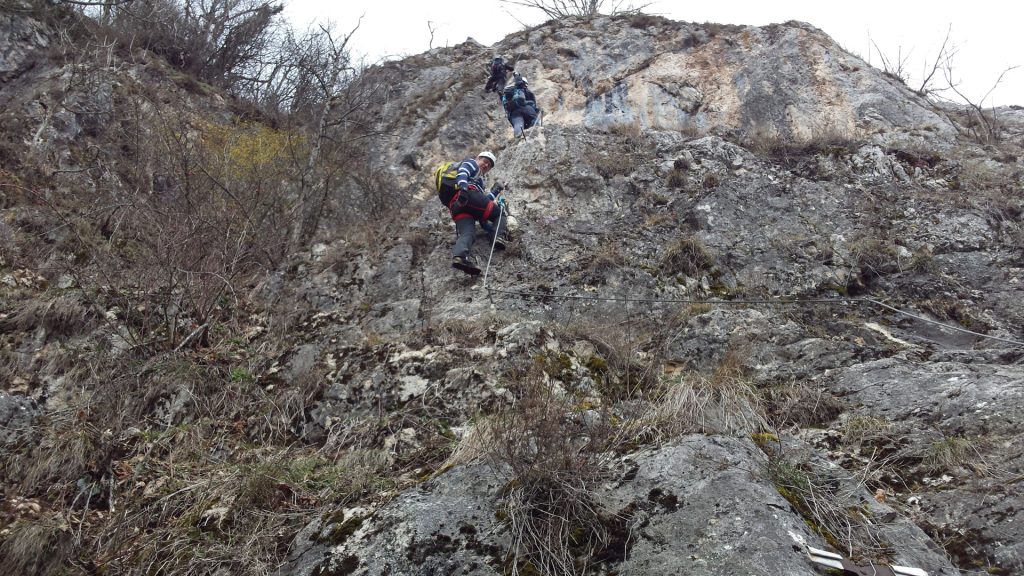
465	264
500	243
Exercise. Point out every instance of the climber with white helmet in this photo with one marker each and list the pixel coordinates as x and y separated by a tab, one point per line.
520	105
463	191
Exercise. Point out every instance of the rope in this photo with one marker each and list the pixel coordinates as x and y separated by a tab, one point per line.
748	301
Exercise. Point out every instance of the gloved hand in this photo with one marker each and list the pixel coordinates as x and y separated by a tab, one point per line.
497	189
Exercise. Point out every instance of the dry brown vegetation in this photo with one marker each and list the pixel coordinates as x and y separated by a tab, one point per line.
169	440
688	256
553	458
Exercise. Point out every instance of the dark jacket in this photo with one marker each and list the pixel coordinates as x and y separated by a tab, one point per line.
498	70
528	110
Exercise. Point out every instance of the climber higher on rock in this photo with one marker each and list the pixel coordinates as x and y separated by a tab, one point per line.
462	188
499	72
520	105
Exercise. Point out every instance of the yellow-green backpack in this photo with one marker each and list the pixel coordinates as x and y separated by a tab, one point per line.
446	175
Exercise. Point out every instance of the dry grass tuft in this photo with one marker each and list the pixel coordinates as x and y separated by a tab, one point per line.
726	402
36	547
466	333
791	151
553	457
832	506
864	429
687	256
626	363
709	405
800	403
62	315
952	453
606	257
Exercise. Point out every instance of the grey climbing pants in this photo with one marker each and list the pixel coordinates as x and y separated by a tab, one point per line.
517	124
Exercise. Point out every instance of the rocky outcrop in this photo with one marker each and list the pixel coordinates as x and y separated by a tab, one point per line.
794	169
701	505
16	416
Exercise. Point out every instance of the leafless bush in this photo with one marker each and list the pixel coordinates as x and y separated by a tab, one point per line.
556	9
339	175
219	41
205	211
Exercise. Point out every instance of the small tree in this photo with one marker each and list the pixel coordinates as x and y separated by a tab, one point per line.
217	40
980	124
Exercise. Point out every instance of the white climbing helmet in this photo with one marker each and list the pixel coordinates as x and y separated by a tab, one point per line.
490	156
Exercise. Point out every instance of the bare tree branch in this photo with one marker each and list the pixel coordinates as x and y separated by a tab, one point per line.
944	55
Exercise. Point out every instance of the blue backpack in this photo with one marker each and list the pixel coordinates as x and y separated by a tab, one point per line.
519	97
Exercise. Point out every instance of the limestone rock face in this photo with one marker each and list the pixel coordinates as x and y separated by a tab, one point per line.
799	171
16	416
782	167
19	37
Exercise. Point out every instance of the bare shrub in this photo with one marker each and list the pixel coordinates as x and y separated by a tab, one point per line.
558	9
219	41
205	215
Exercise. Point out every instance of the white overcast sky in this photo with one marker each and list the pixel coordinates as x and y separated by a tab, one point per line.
988	35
